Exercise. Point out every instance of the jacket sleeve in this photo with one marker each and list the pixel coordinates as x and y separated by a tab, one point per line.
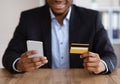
16	46
103	46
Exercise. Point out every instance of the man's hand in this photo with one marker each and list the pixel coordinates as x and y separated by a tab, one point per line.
92	62
30	64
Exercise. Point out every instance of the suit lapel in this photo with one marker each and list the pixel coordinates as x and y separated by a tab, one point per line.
74	36
73	27
46	25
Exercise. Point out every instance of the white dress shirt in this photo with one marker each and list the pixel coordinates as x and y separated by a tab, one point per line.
60	41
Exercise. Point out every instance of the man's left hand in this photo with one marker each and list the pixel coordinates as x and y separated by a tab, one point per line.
92	62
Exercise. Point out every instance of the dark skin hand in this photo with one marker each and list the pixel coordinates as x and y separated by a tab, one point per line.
92	62
29	64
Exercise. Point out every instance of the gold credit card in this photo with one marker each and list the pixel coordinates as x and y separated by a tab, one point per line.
79	48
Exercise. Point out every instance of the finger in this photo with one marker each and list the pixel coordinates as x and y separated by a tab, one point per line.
30	69
95	65
39	59
91	59
28	65
32	66
36	59
43	58
89	54
44	61
28	53
26	60
92	69
38	65
85	55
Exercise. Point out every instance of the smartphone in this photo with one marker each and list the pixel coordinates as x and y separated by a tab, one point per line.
35	45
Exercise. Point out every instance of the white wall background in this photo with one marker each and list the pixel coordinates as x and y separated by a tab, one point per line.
100	3
88	3
9	16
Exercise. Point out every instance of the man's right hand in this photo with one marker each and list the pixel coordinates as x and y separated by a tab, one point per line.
29	64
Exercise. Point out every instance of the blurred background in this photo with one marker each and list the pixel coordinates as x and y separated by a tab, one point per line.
10	12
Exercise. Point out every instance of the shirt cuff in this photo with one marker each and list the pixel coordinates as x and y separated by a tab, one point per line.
14	68
106	67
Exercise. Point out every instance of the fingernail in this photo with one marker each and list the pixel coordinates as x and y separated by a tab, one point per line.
36	51
46	61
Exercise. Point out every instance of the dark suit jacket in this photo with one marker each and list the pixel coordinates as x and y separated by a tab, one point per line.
85	27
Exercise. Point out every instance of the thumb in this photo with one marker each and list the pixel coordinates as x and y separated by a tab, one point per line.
28	53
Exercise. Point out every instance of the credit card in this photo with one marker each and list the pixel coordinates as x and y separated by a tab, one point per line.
77	48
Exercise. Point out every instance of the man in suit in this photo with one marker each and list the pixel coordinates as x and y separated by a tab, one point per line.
58	24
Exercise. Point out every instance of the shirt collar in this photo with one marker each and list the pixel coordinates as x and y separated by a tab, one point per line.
67	17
